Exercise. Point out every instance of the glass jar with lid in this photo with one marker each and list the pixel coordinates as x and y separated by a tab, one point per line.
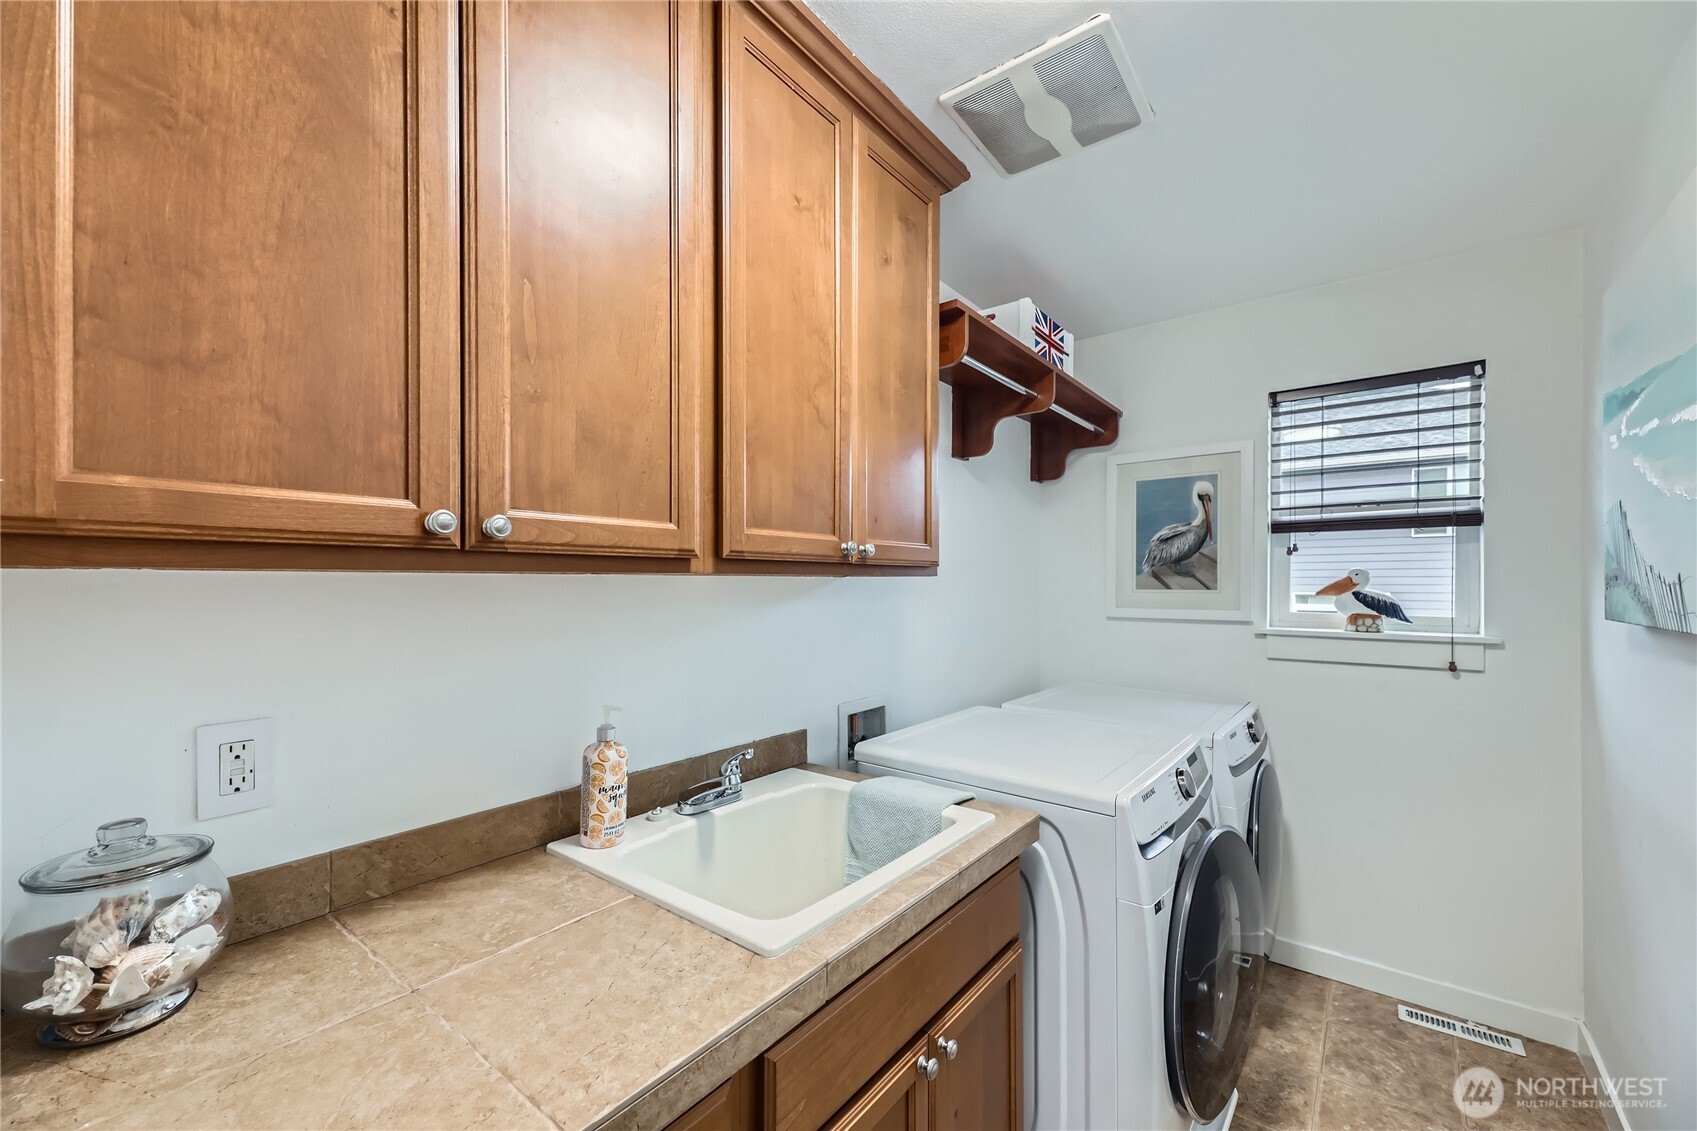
111	939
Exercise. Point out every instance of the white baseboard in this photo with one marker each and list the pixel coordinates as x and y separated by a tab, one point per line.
1592	1061
1441	997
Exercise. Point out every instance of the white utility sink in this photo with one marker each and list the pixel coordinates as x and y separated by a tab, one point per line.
765	872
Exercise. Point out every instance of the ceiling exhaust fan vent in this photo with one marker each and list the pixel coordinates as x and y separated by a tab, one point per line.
1075	90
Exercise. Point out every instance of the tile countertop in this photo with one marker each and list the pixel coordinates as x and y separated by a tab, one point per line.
523	993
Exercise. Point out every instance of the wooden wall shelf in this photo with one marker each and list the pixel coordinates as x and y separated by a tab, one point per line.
995	376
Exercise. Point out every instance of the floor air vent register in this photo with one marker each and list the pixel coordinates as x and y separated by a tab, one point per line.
1464	1029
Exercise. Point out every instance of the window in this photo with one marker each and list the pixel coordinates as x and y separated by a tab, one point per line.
1434	482
1384	474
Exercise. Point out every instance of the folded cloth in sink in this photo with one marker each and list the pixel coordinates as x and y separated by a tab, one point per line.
891	816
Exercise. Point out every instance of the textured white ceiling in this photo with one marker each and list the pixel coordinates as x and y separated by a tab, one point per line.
1294	143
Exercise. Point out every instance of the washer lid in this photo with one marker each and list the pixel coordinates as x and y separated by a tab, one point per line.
1131	706
1068	761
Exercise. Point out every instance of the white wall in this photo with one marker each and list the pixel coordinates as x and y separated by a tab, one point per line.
403	699
1639	701
1432	819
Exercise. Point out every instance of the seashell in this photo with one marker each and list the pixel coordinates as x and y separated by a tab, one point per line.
103	934
191	910
128	985
182	965
148	958
63	991
203	935
144	1014
84	1030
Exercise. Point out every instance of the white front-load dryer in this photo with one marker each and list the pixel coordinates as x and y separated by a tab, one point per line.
1128	1025
1240	753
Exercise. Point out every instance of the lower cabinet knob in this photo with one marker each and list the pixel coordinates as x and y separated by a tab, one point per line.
868	550
927	1066
850	549
947	1047
497	526
441	522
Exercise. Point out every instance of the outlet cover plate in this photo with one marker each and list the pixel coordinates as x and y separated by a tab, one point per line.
210	800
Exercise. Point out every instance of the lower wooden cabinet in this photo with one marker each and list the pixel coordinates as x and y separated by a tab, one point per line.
963	1075
978	1047
930	1038
731	1106
898	1100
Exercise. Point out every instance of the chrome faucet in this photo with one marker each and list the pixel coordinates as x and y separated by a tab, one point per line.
714	792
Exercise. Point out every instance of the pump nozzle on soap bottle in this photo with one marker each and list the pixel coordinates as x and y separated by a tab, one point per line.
603	788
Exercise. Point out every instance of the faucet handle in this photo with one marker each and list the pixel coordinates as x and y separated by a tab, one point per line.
731	771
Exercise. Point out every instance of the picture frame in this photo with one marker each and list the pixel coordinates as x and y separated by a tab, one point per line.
1193	508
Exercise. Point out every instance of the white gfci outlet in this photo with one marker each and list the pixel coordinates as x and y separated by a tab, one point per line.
235	767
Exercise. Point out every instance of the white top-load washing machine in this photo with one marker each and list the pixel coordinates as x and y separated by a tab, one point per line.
1240	753
1141	917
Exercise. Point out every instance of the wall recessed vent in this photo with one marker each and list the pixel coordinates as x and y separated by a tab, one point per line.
1463	1029
1075	90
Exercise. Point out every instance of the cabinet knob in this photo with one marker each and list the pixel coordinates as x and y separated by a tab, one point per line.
850	549
947	1047
497	526
441	522
927	1066
868	550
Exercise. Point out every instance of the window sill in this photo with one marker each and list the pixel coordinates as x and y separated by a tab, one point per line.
1415	649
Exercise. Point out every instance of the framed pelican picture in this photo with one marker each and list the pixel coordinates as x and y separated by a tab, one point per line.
1179	534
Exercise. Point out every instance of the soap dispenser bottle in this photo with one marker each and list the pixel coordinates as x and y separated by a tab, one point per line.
605	764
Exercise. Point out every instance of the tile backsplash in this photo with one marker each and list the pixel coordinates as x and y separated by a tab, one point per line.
285	894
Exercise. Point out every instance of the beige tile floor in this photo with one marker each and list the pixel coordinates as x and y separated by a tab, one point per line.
1330	1057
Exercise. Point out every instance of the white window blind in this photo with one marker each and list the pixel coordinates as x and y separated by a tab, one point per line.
1400	452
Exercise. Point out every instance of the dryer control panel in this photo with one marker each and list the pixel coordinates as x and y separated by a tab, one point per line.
1242	739
1156	805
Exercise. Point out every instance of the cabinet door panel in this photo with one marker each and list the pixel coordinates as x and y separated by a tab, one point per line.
591	161
980	1089
785	484
234	309
732	1106
895	354
899	1099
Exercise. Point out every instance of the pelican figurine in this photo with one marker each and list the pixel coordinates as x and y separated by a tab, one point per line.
1364	609
1175	544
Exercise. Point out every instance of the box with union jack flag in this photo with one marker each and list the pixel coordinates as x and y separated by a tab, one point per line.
1051	341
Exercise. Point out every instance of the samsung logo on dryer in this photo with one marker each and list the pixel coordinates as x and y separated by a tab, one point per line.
1147	794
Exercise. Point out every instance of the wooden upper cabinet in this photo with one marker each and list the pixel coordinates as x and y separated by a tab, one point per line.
589	165
230	293
785	396
829	289
894	351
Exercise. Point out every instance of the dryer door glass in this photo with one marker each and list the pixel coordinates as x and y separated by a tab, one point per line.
1216	960
1266	842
